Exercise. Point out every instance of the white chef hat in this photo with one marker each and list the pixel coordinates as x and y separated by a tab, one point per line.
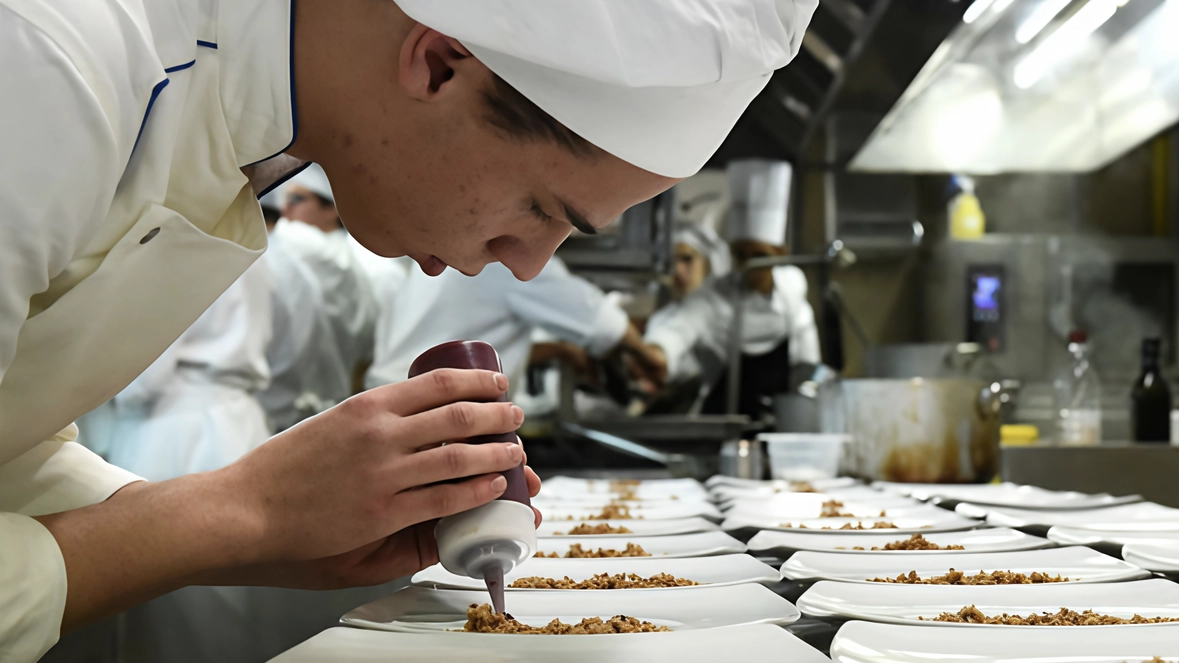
658	84
759	195
314	180
706	242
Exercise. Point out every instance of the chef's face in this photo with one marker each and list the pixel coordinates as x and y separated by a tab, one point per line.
691	269
418	169
744	250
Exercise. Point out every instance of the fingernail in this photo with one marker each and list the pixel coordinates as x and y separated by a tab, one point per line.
515	453
499	485
501	381
517	415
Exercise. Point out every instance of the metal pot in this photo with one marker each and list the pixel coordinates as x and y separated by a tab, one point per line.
917	430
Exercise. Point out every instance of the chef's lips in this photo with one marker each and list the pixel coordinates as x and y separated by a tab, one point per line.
491	540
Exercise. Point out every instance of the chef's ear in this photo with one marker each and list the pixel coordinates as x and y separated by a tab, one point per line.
428	62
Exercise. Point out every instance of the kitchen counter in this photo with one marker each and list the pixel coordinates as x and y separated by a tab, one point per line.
1149	470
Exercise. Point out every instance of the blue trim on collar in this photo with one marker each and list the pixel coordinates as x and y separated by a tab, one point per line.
155	92
179	67
284	179
294	112
207	44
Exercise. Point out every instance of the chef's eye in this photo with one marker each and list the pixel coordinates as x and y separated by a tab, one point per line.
539	213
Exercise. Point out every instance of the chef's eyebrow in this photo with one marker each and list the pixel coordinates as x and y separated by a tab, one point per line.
577	219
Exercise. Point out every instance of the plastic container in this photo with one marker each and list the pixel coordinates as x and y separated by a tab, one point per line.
804	456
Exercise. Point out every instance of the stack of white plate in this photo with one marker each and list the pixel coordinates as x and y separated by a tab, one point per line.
729	615
902	616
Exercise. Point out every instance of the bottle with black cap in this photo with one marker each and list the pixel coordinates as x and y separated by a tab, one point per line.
1150	399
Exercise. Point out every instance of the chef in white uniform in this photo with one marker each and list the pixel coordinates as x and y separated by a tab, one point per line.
497	308
778	323
136	139
307	373
311	229
195	408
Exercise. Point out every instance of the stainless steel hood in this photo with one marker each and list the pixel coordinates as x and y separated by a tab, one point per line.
857	56
1036	85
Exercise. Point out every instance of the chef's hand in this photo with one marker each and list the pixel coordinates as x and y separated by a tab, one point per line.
400	554
372	466
346	497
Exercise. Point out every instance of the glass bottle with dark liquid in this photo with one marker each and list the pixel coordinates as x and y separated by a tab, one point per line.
1150	399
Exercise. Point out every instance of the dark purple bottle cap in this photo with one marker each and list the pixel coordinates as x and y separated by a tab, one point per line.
475	355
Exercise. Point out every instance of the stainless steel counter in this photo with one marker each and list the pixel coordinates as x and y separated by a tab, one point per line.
1150	470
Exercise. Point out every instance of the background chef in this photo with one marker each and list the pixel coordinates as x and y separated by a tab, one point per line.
496	307
136	145
778	324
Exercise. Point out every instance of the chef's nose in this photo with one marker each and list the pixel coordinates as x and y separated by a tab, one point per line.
525	258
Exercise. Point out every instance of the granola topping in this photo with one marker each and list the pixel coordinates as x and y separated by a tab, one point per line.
604	581
981	578
577	552
481	619
1065	617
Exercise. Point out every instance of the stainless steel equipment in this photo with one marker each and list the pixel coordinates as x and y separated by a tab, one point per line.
686	445
917	430
745	459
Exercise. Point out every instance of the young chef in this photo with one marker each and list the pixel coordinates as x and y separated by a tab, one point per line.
137	137
778	324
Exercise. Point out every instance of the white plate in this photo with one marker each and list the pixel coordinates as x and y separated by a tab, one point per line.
702	544
599	499
757	643
974	541
642	527
718	570
865	642
1084	536
725	495
903	604
926	523
810	505
421	610
1115	517
1164	559
719	480
1077	563
651	489
556	512
1006	494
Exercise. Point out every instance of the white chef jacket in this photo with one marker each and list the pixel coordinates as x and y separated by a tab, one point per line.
124	214
194	409
349	300
496	308
699	326
307	370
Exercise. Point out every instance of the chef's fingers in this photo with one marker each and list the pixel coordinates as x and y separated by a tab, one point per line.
438	388
457	421
538	518
533	480
455	461
447	499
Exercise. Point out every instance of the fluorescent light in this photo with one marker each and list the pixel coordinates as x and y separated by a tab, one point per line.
1039	19
975	10
1064	42
1000	5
